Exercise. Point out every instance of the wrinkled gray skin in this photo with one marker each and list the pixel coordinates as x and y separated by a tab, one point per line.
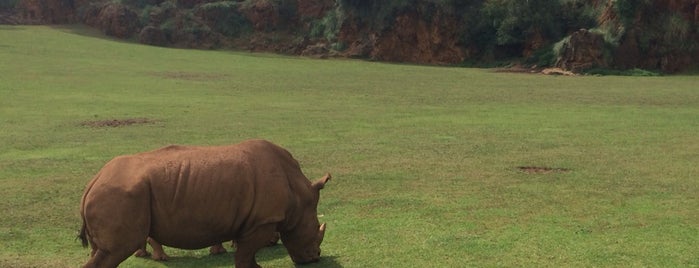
194	197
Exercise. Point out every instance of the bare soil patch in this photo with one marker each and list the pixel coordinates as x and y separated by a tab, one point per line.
117	122
542	170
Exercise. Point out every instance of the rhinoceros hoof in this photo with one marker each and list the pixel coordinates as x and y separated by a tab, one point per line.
141	253
273	241
159	257
217	249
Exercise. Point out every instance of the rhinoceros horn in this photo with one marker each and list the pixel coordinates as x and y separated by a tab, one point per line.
320	183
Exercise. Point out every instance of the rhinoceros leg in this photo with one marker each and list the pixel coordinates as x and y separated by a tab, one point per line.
116	228
217	249
111	250
105	258
142	252
158	252
249	245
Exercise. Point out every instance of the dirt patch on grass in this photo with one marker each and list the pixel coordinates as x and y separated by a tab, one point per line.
542	170
117	122
191	76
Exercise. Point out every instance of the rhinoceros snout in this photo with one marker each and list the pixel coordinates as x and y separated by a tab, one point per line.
312	260
310	257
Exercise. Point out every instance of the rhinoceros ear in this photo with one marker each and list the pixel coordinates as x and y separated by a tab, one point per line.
320	183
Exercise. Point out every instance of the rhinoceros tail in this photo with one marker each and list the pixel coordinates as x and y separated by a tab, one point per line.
83	235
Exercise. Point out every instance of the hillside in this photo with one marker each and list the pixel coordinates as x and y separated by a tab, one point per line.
576	35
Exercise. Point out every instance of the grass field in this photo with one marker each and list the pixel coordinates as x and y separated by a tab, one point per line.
425	159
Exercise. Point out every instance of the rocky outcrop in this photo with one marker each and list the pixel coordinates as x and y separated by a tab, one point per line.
412	36
415	40
581	51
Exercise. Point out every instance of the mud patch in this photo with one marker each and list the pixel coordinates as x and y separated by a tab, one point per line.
542	170
190	76
117	122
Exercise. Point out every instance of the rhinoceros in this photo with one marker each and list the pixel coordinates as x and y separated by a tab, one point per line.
193	197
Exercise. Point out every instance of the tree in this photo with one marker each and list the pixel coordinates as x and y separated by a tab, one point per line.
8	4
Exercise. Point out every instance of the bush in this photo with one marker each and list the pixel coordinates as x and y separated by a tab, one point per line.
136	3
286	9
501	28
577	14
628	9
327	27
676	34
159	13
378	14
515	20
8	4
224	17
144	17
169	28
544	57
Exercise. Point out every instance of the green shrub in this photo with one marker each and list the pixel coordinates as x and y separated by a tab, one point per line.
577	14
676	34
224	17
627	10
544	57
378	14
193	27
136	3
163	11
611	34
327	27
514	20
169	28
501	28
557	47
8	4
144	16
286	9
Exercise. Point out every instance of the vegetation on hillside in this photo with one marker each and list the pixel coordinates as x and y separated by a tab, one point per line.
6	4
649	34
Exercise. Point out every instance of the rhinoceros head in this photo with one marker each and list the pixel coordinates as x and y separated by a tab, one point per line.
303	240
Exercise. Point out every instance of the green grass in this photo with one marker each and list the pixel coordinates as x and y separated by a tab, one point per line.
424	158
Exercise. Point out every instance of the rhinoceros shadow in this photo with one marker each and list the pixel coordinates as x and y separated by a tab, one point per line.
325	261
227	259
